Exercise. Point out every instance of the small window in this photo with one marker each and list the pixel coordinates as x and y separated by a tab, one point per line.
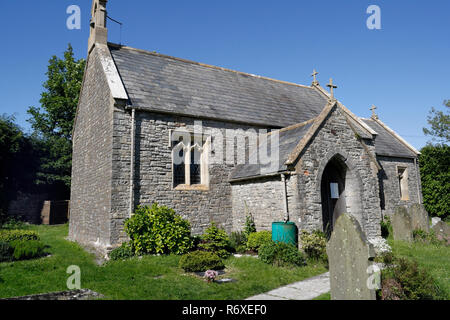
189	162
403	183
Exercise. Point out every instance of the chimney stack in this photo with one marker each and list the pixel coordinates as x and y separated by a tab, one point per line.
98	30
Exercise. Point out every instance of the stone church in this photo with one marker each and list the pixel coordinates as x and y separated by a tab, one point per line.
155	128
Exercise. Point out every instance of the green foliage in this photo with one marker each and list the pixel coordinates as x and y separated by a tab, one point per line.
439	122
199	261
434	164
237	240
386	227
13	235
6	252
281	254
249	226
53	121
157	229
427	237
27	249
216	240
12	224
122	253
314	245
257	239
403	279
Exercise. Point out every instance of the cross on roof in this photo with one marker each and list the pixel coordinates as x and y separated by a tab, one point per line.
314	74
374	115
331	86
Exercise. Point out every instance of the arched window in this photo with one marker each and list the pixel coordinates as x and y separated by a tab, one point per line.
189	162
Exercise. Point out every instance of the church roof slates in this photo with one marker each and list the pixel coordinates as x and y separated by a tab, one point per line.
160	83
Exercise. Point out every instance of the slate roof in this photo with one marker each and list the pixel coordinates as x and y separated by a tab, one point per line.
386	144
288	140
167	84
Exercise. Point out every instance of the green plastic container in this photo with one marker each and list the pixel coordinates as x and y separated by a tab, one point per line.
285	232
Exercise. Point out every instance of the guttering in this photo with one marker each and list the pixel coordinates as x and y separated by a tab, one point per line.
132	156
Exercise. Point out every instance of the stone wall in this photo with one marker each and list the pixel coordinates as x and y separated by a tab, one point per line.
389	184
153	171
92	160
27	207
335	137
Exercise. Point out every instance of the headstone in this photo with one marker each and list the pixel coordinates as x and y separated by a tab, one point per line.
419	217
402	225
442	231
435	220
348	255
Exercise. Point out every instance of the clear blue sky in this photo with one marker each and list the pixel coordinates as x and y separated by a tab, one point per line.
404	68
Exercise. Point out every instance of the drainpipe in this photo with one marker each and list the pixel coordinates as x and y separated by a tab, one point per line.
286	208
418	181
132	133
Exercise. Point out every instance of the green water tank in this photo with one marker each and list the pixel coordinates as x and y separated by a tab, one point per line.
285	232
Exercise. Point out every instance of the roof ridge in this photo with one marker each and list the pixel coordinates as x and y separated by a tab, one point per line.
154	53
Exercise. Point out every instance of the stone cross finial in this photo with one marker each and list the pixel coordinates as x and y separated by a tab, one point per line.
331	86
374	115
314	74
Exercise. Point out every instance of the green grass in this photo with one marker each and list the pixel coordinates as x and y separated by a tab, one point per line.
325	296
152	277
434	258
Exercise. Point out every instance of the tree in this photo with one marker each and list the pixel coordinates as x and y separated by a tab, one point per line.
53	121
440	124
435	176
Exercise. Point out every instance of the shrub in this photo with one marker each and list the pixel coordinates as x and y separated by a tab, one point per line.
426	237
314	245
121	253
256	239
27	249
249	227
6	252
198	261
386	227
241	249
13	235
12	223
237	240
281	254
157	229
216	240
402	279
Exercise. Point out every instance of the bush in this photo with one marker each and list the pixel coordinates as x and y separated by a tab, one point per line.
6	252
12	223
216	240
427	237
121	253
386	227
27	249
281	254
198	261
157	229
237	240
402	279
314	245
13	235
256	239
249	227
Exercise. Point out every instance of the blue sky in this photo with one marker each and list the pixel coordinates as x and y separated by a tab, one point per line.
403	69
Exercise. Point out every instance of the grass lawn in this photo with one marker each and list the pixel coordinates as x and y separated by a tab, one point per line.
152	277
436	259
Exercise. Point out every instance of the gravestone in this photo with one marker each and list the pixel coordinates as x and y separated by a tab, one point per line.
435	220
419	217
402	225
348	255
442	231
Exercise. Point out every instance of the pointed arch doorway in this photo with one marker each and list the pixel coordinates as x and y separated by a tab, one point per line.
340	192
